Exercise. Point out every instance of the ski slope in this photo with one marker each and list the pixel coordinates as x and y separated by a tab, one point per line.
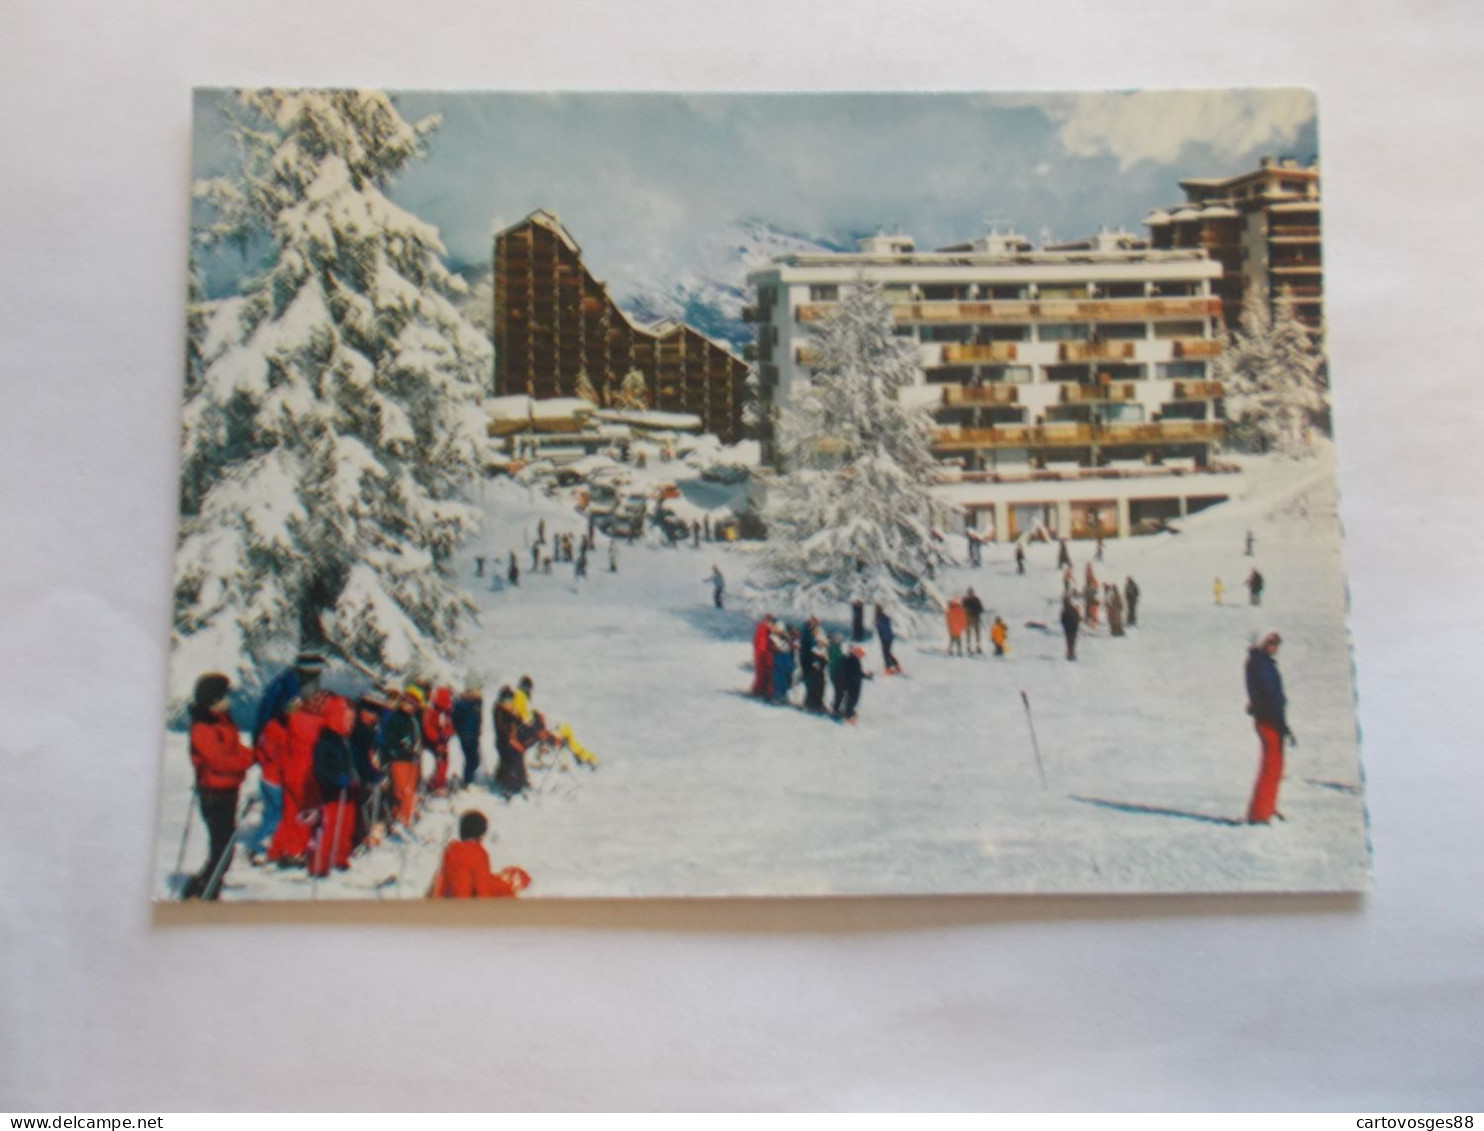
1149	758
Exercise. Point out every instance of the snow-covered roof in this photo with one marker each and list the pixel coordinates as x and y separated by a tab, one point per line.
1219	212
658	421
557	407
509	408
687	511
1157	216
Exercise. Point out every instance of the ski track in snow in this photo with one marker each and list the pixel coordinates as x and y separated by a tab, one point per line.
1148	753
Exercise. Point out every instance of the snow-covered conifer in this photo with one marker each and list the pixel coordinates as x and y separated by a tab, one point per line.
633	393
585	390
1272	374
334	421
849	514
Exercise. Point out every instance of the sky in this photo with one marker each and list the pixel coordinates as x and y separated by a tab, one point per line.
641	180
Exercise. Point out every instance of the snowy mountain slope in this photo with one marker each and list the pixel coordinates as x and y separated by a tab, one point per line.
711	290
1149	757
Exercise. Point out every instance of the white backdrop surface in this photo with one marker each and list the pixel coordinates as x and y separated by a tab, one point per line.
1171	1003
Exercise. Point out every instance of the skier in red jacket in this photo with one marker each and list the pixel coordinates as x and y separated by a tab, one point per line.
301	800
465	870
762	658
437	733
220	761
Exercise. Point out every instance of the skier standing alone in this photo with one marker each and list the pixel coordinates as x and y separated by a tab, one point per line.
886	635
1268	707
1071	621
1254	587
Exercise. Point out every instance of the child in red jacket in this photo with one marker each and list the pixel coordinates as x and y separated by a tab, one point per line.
220	761
437	732
465	870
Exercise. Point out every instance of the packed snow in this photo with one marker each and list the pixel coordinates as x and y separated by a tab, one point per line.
1148	756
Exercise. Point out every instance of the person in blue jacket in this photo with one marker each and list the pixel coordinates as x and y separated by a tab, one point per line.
886	634
468	719
1268	707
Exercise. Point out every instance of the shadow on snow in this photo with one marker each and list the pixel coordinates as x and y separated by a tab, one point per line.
1158	811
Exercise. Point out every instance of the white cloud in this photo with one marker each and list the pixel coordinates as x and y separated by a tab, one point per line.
1155	125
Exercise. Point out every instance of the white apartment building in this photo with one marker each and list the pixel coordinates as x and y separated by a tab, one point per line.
1071	384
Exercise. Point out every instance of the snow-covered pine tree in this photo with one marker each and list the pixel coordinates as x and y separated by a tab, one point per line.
585	390
1272	375
752	406
849	514
1301	366
334	422
633	393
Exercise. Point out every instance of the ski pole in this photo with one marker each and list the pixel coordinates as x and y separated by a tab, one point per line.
212	884
185	833
335	839
1036	746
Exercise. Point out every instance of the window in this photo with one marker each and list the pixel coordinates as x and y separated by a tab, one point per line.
1013	374
1063	290
1004	334
824	292
1006	293
1123	372
1166	330
1175	290
1180	371
947	333
944	293
1076	373
950	375
1121	290
1122	331
1062	332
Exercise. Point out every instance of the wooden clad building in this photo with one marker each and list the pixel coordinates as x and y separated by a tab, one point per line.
555	323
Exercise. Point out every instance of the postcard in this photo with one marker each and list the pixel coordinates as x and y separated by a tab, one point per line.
670	495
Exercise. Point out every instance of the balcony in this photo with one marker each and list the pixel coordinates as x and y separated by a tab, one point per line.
1083	394
1096	351
1014	436
1295	234
1198	390
986	351
1052	310
964	396
1072	435
1197	347
1164	432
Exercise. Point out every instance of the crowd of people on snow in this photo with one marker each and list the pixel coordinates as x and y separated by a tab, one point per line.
779	650
337	773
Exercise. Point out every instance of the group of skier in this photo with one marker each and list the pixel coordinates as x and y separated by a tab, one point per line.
335	773
965	618
778	650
